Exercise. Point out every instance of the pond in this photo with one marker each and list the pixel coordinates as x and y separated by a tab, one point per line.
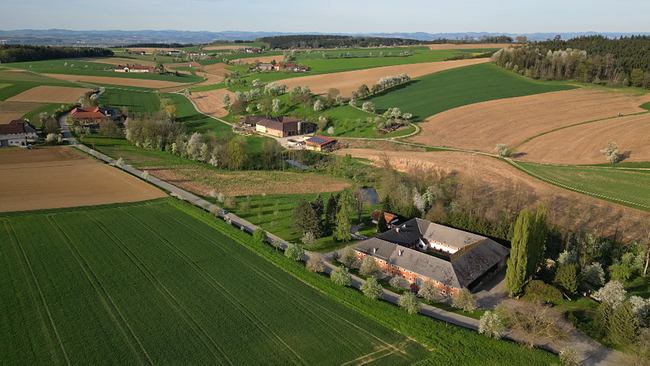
370	196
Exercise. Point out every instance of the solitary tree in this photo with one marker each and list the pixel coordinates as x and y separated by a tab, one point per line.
341	276
294	252
369	267
309	239
348	258
464	300
491	325
259	235
501	149
315	264
120	163
409	302
145	175
611	153
318	105
372	288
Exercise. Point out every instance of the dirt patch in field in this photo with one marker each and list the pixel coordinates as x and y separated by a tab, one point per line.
143	83
349	81
49	94
497	180
8	117
201	180
217	69
511	121
210	102
478	46
62	177
582	144
15	110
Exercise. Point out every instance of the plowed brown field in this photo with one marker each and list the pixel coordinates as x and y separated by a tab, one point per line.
156	84
63	177
49	94
477	46
497	181
511	121
349	81
210	102
200	180
14	110
217	69
582	144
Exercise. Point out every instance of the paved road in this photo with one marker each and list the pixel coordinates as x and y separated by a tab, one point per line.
591	353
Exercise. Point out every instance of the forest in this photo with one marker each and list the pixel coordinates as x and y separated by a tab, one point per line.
329	41
594	59
23	53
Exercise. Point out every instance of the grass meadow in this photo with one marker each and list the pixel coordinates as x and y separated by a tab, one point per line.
444	90
141	102
193	120
625	186
150	283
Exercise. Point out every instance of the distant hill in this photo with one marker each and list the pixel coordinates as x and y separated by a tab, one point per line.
63	37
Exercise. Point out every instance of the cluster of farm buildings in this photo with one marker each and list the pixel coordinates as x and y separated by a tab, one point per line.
281	67
421	251
17	133
287	127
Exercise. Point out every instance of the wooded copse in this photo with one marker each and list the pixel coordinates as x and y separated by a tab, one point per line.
330	41
619	62
23	53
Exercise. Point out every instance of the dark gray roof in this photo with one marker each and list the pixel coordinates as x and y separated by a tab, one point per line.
405	234
377	247
425	265
411	231
478	260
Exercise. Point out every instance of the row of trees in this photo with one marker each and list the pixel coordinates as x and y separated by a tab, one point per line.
331	41
23	53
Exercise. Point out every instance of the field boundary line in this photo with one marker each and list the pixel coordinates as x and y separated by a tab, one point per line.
13	236
151	277
212	282
588	193
281	285
109	305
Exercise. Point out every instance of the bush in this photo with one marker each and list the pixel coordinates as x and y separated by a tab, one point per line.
538	290
294	252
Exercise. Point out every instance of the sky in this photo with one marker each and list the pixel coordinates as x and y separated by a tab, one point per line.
340	16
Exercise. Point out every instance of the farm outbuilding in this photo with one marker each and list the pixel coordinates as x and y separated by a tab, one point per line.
320	143
17	133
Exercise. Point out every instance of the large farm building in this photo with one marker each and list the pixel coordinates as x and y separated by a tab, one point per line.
420	251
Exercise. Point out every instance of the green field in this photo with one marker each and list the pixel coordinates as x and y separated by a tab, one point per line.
72	67
624	186
15	83
444	90
32	116
135	101
149	283
194	120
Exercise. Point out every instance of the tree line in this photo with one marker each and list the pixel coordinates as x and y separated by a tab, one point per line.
594	59
25	53
330	41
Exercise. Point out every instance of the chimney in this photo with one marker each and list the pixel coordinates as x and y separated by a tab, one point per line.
374	250
397	230
399	252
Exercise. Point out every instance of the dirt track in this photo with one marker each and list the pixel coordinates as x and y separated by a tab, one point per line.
349	81
144	83
511	121
582	144
62	177
49	94
499	181
210	102
478	46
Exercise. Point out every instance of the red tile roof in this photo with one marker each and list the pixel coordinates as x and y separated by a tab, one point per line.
388	216
87	113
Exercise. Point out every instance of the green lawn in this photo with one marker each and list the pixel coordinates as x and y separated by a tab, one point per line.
627	187
444	90
194	120
72	67
32	116
355	128
135	101
150	283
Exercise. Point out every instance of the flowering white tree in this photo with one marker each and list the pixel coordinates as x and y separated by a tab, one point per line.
491	325
594	274
612	293
276	105
640	307
194	146
368	107
318	106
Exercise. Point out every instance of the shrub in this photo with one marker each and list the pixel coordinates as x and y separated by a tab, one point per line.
295	252
409	302
464	301
538	290
491	325
315	263
341	276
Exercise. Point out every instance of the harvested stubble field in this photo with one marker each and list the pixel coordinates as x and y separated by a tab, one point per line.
160	283
481	126
493	180
143	83
582	144
210	102
15	110
349	81
201	180
49	94
472	46
62	177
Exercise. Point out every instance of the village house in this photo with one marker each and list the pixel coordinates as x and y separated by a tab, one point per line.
320	143
17	133
137	69
252	50
251	121
420	251
390	218
87	115
284	126
265	66
174	53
